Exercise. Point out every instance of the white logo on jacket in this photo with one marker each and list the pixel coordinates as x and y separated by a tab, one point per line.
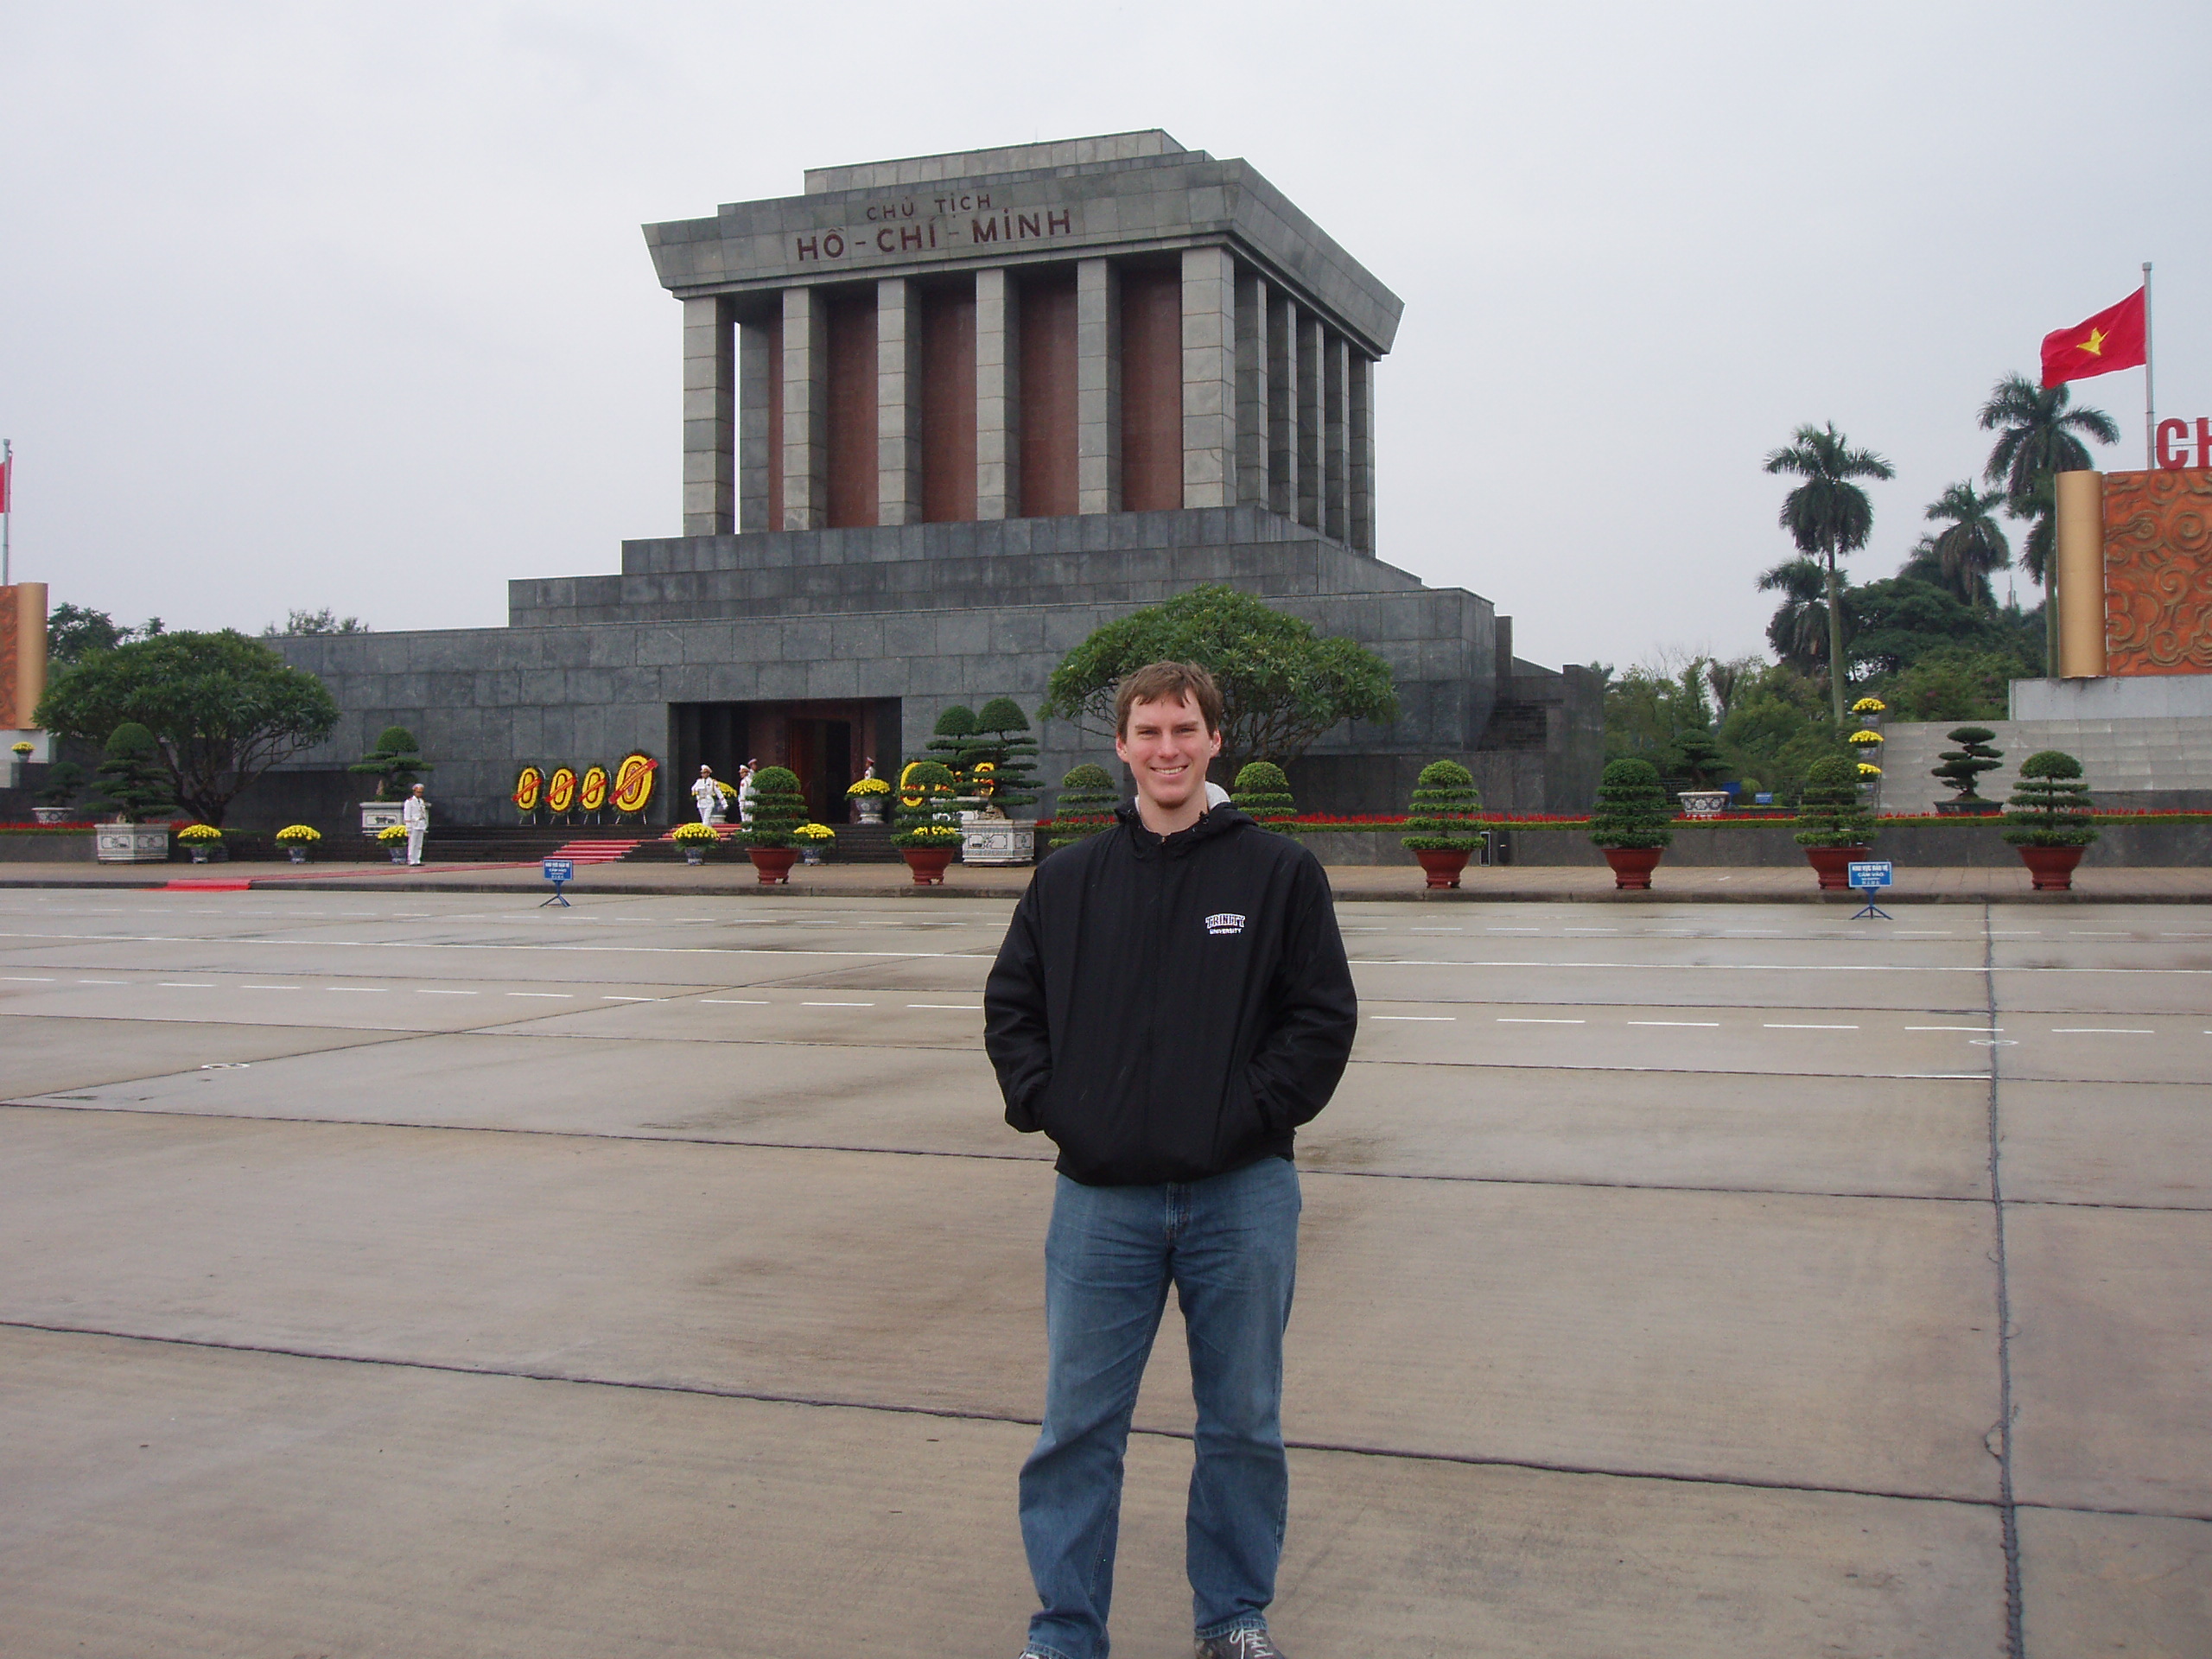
1227	921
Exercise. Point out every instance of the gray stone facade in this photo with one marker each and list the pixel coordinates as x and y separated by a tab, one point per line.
776	641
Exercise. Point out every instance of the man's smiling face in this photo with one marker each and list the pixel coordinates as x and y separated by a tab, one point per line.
1166	746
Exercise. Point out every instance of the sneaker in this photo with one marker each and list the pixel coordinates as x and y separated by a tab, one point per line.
1242	1644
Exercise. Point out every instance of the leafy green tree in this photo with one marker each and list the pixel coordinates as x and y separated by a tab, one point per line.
1972	543
133	783
1778	726
1697	756
315	622
949	737
395	763
223	709
998	759
63	780
1262	793
2039	436
1828	516
1088	797
1955	682
1282	684
75	632
1799	631
1964	765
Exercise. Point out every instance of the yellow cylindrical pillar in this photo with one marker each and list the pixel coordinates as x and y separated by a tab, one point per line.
2080	554
24	630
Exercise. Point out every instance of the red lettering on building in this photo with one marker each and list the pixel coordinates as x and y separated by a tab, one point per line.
2173	460
983	230
808	248
1056	224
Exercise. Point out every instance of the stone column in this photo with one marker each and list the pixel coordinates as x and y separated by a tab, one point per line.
1335	491
898	402
1252	432
1209	378
1097	387
1308	335
759	379
1361	417
806	411
1282	404
709	417
998	394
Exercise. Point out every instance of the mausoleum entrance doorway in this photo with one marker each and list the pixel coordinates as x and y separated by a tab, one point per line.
825	742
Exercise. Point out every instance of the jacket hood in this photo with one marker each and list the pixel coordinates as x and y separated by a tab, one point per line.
1221	821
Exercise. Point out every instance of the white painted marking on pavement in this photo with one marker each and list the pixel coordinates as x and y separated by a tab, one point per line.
1517	1020
836	1005
738	1001
1703	1024
1775	1025
2102	1031
972	1008
1446	1018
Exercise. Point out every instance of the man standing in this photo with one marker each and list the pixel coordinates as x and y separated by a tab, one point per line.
1171	1003
415	816
706	796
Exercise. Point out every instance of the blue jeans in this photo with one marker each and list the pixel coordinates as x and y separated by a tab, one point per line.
1229	1246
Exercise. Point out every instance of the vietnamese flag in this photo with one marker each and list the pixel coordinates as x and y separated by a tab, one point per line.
2110	340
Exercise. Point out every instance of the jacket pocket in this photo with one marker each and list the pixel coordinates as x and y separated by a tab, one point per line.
1240	1124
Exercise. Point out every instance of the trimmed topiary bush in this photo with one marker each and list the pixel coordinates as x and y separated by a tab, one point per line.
1833	812
949	737
996	764
778	808
395	763
2051	803
1442	816
1088	797
133	783
1264	794
1631	809
929	807
1964	765
63	780
1697	756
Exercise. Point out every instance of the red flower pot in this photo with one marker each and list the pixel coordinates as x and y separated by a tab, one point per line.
1831	865
2052	868
775	863
927	863
1441	867
1632	866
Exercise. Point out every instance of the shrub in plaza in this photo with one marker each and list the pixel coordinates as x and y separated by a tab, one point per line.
1443	814
778	808
133	783
395	763
949	737
1832	813
1962	768
929	807
63	780
1697	756
1262	793
1630	823
996	761
2050	804
1088	797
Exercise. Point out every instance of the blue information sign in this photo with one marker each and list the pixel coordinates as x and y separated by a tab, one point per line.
1873	873
564	869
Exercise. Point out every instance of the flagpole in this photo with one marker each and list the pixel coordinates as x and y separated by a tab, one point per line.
7	501
2149	406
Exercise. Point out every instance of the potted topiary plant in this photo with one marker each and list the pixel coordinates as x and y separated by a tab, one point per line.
2048	820
814	840
55	802
1262	794
996	764
297	839
396	762
694	838
867	796
1442	828
1837	827
1962	768
778	809
1088	797
135	786
199	840
1630	823
1697	756
929	828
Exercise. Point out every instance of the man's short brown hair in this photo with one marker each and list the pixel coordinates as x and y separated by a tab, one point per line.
1168	683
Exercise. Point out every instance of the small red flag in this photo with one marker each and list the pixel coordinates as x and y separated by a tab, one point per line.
2110	340
7	471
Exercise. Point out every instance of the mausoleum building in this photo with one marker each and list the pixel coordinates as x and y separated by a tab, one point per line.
943	417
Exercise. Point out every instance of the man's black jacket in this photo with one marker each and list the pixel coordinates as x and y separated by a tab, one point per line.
1168	1009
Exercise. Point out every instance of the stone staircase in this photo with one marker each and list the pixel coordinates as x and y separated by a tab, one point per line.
2134	763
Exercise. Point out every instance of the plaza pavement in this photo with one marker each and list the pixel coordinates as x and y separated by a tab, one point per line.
428	1273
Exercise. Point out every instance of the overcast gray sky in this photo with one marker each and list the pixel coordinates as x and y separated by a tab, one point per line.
348	305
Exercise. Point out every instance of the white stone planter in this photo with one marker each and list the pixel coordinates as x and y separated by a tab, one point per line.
1705	803
989	838
131	844
868	809
379	815
51	814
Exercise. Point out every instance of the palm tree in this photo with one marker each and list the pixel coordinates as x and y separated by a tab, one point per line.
2037	441
1828	516
1799	631
1971	545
